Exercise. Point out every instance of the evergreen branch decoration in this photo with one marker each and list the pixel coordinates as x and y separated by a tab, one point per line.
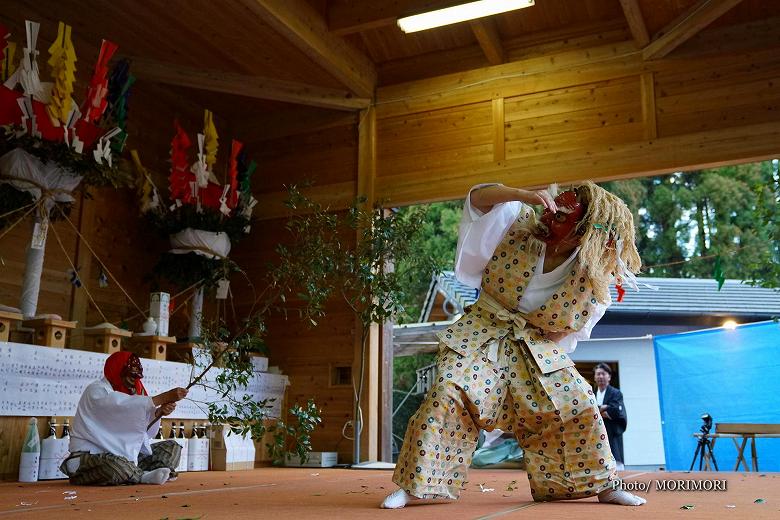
243	415
94	174
189	269
171	222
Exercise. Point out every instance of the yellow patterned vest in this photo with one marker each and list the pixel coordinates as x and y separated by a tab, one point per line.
494	316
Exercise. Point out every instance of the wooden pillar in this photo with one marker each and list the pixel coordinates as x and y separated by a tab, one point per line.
386	397
79	301
371	396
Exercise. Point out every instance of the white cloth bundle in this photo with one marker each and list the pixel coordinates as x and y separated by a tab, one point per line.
205	243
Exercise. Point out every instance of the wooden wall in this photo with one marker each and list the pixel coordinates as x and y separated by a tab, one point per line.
569	114
307	355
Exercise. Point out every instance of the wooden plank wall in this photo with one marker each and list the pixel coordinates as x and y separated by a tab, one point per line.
569	114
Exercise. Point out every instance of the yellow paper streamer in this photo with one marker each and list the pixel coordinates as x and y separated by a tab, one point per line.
62	61
8	66
144	183
210	139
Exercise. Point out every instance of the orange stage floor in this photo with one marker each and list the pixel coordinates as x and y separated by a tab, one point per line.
285	493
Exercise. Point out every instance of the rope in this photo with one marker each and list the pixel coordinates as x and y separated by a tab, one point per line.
33	208
72	266
18	209
45	191
695	258
108	272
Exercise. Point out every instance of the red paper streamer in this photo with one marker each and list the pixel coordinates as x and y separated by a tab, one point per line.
181	177
621	292
96	101
235	149
210	195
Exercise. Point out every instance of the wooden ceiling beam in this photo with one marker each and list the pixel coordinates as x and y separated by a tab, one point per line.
636	23
486	33
286	123
354	16
686	26
303	26
246	85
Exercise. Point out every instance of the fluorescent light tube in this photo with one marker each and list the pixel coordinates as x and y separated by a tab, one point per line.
460	13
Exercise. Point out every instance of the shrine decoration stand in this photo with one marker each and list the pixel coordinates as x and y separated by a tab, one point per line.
50	146
204	217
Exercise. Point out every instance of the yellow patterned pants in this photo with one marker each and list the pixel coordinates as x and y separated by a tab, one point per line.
554	417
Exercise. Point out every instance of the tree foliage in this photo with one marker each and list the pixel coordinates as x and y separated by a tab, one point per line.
437	239
687	220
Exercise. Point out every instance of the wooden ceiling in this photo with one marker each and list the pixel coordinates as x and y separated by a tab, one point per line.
262	56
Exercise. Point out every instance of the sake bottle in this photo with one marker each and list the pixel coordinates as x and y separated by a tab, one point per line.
194	431
172	435
66	429
52	430
31	454
181	431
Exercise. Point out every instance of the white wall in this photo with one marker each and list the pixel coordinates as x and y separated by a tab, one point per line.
643	441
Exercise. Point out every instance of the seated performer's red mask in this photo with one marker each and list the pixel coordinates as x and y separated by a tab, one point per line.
562	223
124	371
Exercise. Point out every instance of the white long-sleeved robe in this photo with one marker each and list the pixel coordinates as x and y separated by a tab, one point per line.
108	421
479	235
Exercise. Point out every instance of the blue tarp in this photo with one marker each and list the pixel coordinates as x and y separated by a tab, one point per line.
734	375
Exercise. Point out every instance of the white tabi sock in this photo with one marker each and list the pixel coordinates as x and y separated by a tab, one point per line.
620	497
397	499
157	476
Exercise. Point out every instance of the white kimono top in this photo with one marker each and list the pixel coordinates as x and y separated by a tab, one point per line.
479	235
108	421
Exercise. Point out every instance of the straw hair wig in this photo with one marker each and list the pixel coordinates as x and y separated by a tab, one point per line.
608	245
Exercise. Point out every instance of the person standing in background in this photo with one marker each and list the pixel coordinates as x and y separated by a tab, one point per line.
610	402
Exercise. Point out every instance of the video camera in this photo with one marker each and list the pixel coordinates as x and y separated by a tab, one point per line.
706	424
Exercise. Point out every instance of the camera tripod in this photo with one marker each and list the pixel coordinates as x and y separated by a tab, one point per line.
704	453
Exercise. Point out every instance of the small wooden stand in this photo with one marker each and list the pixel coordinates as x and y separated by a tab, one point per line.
7	321
49	332
152	347
104	339
181	352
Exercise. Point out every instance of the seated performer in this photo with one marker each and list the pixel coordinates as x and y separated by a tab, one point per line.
504	364
115	418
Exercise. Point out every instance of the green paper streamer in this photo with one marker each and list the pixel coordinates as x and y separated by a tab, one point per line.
717	273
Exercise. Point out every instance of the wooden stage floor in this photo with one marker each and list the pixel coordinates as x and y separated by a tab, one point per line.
286	493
